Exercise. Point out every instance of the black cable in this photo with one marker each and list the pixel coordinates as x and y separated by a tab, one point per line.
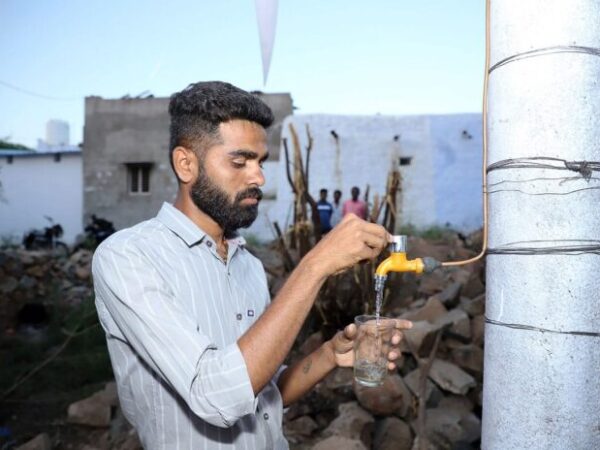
584	168
35	94
540	330
546	51
586	246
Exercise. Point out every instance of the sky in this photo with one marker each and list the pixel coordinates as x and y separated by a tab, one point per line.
393	57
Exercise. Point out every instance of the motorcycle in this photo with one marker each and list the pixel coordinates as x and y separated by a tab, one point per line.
95	232
46	239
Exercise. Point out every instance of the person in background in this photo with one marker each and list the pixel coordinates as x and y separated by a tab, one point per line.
336	217
355	205
325	211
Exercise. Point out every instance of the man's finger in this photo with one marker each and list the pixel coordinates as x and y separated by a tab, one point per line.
396	338
350	332
402	324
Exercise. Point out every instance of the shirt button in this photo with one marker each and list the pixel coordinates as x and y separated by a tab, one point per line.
209	244
266	416
238	316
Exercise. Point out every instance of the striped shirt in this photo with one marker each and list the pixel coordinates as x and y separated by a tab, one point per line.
172	311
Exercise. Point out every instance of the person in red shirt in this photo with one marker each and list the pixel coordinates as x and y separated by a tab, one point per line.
354	205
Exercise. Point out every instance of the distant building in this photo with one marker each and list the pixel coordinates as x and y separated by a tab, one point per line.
37	185
127	174
439	158
126	169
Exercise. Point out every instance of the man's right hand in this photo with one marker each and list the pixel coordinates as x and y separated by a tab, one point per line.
351	241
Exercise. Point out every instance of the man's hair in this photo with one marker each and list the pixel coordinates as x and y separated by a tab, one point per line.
323	191
198	110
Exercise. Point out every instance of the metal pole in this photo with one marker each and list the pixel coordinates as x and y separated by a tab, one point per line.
542	337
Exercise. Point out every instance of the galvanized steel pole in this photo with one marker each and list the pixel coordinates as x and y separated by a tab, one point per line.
542	338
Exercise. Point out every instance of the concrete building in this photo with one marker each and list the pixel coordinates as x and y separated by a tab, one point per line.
127	175
439	158
126	169
39	185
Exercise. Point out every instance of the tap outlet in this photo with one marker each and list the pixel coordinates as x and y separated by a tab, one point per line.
398	261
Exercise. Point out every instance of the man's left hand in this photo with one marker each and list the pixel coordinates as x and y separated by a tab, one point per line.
343	342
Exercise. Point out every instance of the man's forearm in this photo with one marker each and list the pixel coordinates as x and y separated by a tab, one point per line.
266	344
299	378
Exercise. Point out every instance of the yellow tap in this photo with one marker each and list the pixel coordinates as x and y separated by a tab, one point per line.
398	262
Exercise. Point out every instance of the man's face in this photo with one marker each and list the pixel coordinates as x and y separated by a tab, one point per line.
323	195
337	195
230	174
355	192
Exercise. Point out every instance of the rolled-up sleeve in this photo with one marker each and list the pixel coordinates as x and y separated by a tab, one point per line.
143	310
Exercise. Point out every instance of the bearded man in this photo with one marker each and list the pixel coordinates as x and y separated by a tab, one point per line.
196	344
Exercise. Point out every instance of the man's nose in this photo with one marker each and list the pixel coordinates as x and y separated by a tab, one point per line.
256	176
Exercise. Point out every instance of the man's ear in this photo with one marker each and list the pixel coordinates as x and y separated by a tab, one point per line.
185	163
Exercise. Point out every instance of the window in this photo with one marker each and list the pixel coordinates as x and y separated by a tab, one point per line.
138	178
405	160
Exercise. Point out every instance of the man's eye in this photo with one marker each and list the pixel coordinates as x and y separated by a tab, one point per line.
238	162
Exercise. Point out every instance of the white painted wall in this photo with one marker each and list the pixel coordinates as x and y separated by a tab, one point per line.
441	186
37	186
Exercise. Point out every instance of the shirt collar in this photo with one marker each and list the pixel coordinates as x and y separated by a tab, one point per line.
188	231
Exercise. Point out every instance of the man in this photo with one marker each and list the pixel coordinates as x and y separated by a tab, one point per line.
325	211
336	217
355	205
195	343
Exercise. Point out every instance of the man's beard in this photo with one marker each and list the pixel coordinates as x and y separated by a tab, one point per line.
214	202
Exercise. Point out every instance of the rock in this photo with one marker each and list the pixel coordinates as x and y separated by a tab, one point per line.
451	429
40	442
111	395
302	426
456	402
474	287
93	411
392	397
340	377
469	357
99	442
432	283
27	282
471	426
427	445
432	394
83	272
8	285
420	338
129	441
392	434
81	256
442	427
450	377
478	329
432	310
450	295
458	324
37	271
339	443
353	422
473	307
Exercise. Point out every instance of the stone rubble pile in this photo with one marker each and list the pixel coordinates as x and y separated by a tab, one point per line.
340	413
437	404
40	278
